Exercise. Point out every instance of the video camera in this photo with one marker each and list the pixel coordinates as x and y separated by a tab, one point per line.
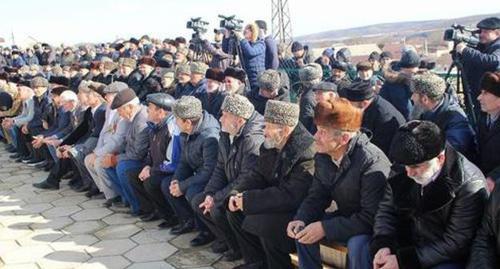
231	23
197	25
459	33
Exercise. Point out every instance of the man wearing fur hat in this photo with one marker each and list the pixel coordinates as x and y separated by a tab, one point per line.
215	94
235	81
129	74
430	96
150	83
431	211
349	178
265	201
183	76
397	88
200	135
489	127
269	89
197	86
309	75
241	137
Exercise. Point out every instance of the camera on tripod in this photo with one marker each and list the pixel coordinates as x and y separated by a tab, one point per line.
197	25
459	33
231	23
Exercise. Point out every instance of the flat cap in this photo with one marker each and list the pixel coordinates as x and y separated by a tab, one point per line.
39	81
161	100
115	87
282	113
188	107
491	23
339	66
364	66
238	105
5	101
132	63
325	87
124	97
296	46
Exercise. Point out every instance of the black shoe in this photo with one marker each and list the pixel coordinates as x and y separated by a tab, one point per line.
28	159
48	167
68	175
41	165
15	156
110	202
168	223
45	185
231	256
138	214
92	192
11	149
20	159
150	217
201	239
82	188
183	228
34	163
219	246
120	204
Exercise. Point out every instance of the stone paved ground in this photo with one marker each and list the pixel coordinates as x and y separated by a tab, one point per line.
65	229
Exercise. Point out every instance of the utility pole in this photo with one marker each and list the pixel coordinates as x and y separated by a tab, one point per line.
281	23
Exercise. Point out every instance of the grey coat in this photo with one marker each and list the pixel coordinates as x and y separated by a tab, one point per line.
137	138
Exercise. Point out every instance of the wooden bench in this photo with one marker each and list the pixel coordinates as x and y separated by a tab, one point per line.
333	256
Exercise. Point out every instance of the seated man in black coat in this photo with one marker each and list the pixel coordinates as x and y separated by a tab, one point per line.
241	136
265	201
350	172
431	212
380	117
200	135
489	128
161	160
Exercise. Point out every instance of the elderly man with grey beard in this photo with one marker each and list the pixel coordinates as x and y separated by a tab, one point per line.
240	139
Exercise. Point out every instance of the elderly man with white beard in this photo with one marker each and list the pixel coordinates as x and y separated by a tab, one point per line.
431	211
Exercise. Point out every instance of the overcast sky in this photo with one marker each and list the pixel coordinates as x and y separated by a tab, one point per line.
69	22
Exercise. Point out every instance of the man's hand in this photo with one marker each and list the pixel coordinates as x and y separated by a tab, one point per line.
207	204
233	205
380	258
391	262
490	184
37	141
24	129
7	123
45	124
460	47
311	234
175	190
294	227
145	173
107	161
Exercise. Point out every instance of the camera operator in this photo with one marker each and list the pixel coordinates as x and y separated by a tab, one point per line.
272	61
220	58
486	57
253	51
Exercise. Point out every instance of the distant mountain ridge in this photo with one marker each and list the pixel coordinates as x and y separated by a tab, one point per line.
394	29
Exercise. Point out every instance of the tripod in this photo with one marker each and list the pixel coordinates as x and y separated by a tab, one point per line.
462	81
199	53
